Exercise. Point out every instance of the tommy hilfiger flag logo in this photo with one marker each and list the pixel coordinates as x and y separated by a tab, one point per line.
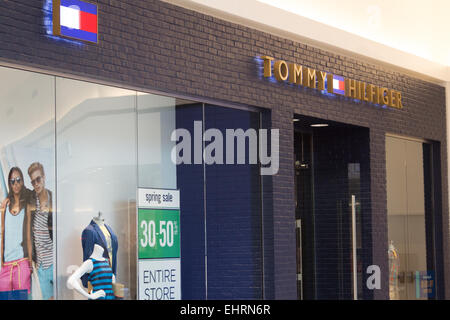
75	19
338	85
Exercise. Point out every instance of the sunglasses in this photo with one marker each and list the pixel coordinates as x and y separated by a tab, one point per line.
13	181
36	181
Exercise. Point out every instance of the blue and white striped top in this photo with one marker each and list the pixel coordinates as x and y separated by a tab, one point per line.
101	278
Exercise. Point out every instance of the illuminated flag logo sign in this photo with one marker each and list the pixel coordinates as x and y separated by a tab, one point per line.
338	85
75	19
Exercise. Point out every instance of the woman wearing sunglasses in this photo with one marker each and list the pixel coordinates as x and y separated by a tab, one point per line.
16	243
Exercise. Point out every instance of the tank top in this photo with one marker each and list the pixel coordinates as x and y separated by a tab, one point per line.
14	235
101	278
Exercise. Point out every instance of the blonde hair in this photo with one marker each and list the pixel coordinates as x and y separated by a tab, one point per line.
35	166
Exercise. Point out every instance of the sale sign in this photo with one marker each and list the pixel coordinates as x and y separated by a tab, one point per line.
159	252
159	233
159	279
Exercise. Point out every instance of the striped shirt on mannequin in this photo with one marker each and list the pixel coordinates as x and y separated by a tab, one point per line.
101	278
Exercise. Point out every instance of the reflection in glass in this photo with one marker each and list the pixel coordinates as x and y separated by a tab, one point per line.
156	122
96	156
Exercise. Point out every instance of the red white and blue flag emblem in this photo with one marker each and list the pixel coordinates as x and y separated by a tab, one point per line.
75	19
338	85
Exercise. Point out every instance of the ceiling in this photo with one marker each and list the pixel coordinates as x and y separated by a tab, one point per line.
421	28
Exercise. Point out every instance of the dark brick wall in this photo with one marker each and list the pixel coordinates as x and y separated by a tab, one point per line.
233	216
157	46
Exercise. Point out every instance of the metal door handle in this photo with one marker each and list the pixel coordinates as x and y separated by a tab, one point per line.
355	286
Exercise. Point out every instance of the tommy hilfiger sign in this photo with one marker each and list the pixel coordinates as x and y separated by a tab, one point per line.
320	80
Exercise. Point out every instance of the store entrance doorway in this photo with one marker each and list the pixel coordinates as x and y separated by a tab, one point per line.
410	219
331	165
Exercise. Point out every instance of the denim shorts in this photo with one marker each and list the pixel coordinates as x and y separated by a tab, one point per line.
46	282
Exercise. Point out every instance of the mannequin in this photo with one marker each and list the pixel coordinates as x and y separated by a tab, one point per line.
98	232
99	219
86	268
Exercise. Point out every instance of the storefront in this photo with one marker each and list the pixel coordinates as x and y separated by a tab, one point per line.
289	188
